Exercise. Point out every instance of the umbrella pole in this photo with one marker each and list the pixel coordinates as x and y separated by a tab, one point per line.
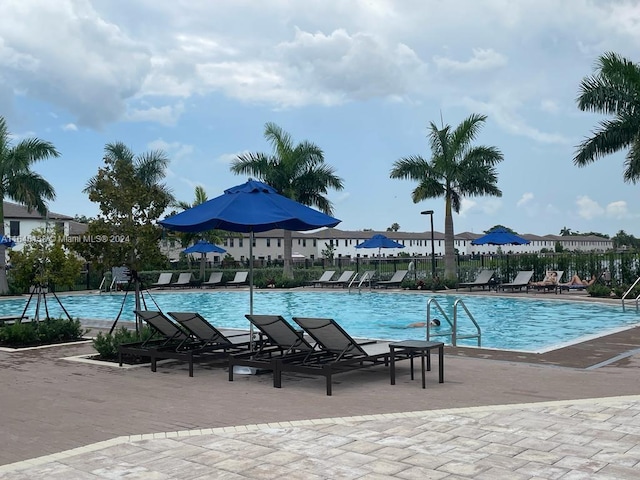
203	256
251	289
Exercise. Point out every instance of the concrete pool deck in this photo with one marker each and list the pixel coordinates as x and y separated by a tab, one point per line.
571	413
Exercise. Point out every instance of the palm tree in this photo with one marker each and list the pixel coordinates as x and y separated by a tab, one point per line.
19	183
614	89
456	169
187	238
295	171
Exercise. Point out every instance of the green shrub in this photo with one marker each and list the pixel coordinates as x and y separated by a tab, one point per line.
106	344
599	290
18	334
51	330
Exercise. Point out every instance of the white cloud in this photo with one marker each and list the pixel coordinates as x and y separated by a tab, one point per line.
70	127
227	158
505	113
64	53
525	199
176	150
467	205
482	59
165	115
617	209
588	208
549	106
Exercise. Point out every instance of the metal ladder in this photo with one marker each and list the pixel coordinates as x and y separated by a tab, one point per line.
453	333
629	290
364	278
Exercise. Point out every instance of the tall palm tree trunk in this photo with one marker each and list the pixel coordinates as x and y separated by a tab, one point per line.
288	267
4	285
449	249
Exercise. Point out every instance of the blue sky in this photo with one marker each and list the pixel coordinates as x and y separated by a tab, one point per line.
361	79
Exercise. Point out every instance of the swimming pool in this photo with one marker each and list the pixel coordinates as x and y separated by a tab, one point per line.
513	323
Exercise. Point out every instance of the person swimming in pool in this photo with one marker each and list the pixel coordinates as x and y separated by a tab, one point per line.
434	323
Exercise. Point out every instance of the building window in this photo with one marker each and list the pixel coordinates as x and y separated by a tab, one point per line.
254	242
231	242
279	243
315	242
304	242
268	242
14	228
240	242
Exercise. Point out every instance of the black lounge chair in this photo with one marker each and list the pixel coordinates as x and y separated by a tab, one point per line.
335	352
395	281
193	339
484	279
166	334
521	281
281	342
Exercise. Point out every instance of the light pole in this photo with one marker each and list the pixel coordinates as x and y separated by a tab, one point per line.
433	248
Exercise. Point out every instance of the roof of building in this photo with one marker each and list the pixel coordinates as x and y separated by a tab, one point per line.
14	210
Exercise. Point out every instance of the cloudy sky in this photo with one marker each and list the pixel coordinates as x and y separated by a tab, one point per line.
362	79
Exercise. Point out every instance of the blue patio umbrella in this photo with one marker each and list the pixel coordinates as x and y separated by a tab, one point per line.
248	208
203	247
379	241
6	241
500	236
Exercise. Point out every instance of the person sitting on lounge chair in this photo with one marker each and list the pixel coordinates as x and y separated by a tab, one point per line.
434	323
550	279
576	280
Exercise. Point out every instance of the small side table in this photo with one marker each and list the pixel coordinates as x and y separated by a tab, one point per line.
411	348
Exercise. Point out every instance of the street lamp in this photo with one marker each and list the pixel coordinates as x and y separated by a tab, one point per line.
433	248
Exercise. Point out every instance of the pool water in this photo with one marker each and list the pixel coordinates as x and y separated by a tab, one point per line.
524	324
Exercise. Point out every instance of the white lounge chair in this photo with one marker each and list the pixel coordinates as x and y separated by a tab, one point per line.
343	280
395	281
164	280
241	278
482	280
214	280
184	280
324	278
522	280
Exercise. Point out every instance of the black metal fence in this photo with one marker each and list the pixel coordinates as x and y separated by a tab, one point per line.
624	267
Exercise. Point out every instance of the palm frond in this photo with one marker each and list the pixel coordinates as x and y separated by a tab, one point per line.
280	141
32	190
256	164
465	133
118	151
632	163
411	168
613	89
150	166
611	136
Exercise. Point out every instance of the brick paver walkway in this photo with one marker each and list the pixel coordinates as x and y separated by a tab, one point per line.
494	417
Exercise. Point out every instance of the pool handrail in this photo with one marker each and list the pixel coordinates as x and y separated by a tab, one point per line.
454	325
629	290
